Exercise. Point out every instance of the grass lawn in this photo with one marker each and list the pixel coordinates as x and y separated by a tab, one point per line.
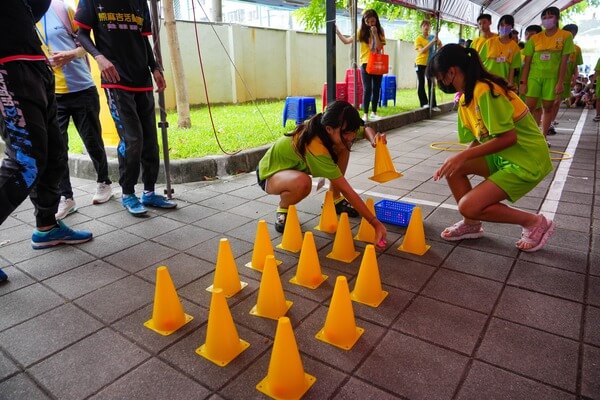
244	126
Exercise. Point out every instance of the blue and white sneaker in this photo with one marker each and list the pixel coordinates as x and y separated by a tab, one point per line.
133	205
3	276
60	234
152	199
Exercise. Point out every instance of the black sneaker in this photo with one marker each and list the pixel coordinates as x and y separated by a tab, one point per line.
344	206
551	131
280	221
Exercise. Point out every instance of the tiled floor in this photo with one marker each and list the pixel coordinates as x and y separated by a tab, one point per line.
468	320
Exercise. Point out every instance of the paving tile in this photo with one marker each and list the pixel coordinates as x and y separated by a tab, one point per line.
488	382
182	355
321	293
25	303
413	368
185	237
435	256
56	262
48	333
16	280
358	389
404	274
21	387
590	381
568	238
133	327
111	243
530	352
123	219
571	222
118	299
486	265
153	380
82	280
190	213
592	325
443	324
224	221
183	269
140	256
450	286
387	311
112	207
547	313
196	291
222	202
153	227
553	281
88	365
7	367
594	291
98	228
208	250
244	386
494	243
332	355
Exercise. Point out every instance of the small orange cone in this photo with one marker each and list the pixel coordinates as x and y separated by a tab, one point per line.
271	301
340	326
343	244
414	239
286	378
384	169
223	343
328	222
226	274
366	233
262	247
167	314
292	233
308	273
367	289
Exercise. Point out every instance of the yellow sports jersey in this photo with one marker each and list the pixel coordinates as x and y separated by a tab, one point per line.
421	42
499	58
365	50
546	52
478	42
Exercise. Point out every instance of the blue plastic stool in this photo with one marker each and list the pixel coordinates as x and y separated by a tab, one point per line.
299	109
388	90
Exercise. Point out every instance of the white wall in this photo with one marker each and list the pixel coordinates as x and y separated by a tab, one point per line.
271	63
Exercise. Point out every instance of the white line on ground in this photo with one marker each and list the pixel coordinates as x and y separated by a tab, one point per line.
552	199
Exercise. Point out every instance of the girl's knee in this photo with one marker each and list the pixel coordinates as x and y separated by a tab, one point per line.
304	184
467	209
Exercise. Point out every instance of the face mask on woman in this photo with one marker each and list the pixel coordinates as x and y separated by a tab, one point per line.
549	22
505	30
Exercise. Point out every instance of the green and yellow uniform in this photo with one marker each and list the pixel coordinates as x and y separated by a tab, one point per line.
575	59
499	58
546	54
479	41
520	167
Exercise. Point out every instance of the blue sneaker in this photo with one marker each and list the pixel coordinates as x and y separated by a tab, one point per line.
60	234
133	205
152	199
3	276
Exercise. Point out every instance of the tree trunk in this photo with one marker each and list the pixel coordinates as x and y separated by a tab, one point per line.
181	95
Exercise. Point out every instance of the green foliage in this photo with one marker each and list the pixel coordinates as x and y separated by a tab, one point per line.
577	9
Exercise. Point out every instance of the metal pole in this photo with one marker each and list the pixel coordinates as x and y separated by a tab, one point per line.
162	124
330	49
353	14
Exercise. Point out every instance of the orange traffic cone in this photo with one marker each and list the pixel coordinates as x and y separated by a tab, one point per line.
343	244
340	326
271	301
308	273
384	169
367	289
328	222
223	343
292	233
414	239
226	274
286	378
167	314
366	233
262	247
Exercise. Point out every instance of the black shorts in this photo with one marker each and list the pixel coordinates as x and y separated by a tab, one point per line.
261	182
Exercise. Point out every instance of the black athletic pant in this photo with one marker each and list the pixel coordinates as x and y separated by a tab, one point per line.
135	118
84	108
371	89
421	87
35	152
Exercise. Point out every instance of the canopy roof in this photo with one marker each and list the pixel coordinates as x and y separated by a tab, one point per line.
525	12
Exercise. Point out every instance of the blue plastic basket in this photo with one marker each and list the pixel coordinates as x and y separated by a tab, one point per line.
394	212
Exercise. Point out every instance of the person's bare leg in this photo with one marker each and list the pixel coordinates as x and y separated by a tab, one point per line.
533	109
343	159
547	115
291	186
460	184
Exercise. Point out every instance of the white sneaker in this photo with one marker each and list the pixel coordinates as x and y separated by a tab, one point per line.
425	106
365	117
374	117
436	109
103	193
65	207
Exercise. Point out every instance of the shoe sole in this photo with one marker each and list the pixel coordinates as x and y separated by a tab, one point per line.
475	235
543	240
163	207
71	211
53	243
101	201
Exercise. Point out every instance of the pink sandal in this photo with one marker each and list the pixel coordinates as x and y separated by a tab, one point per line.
538	235
461	230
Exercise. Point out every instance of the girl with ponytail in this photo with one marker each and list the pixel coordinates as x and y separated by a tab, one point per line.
506	148
319	147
